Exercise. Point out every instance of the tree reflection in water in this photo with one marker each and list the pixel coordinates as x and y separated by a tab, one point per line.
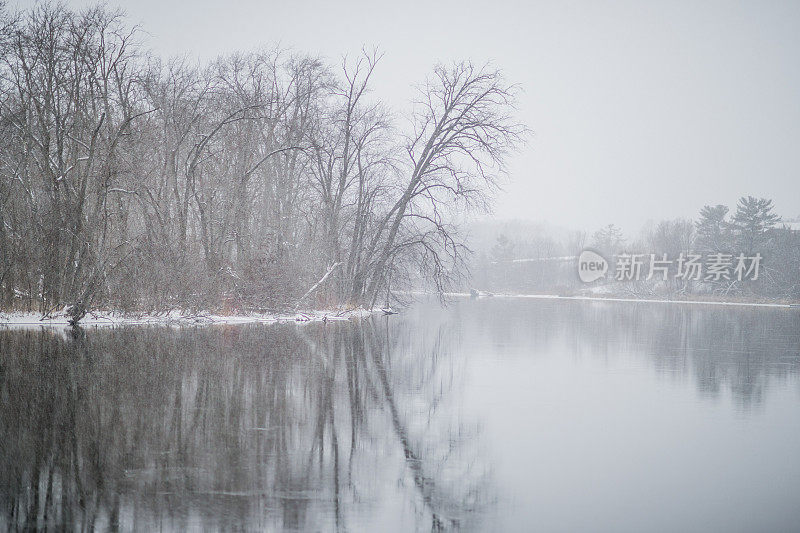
337	426
348	426
739	349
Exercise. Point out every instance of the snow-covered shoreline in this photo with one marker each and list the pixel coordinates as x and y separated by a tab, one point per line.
184	318
729	303
180	318
648	300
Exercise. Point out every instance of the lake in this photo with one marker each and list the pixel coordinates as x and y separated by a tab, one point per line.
488	415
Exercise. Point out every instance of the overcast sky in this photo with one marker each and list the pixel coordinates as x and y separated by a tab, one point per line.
640	110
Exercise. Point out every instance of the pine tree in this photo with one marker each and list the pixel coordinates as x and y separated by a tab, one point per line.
753	222
503	249
713	231
608	240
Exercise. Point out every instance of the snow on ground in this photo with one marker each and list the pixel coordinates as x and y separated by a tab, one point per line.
179	318
646	300
606	299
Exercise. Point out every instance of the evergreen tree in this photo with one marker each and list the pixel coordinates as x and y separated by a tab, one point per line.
713	231
503	249
608	240
753	223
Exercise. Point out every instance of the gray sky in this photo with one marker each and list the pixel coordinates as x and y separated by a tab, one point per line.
640	110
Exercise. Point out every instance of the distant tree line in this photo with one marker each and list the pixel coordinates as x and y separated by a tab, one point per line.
542	260
266	179
753	228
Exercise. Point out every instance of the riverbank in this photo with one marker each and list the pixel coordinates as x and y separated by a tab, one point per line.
685	301
609	297
179	318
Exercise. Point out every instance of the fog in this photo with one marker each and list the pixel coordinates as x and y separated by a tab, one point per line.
639	110
364	267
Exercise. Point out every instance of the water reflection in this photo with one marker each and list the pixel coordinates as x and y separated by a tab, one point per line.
377	425
738	349
317	427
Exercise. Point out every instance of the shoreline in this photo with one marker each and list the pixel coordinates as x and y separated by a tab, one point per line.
651	300
179	318
611	298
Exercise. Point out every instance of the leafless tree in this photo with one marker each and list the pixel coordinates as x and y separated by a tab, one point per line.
462	130
258	180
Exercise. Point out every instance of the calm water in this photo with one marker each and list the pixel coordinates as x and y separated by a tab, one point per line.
499	415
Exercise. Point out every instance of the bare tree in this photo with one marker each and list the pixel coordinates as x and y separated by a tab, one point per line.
463	128
258	180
